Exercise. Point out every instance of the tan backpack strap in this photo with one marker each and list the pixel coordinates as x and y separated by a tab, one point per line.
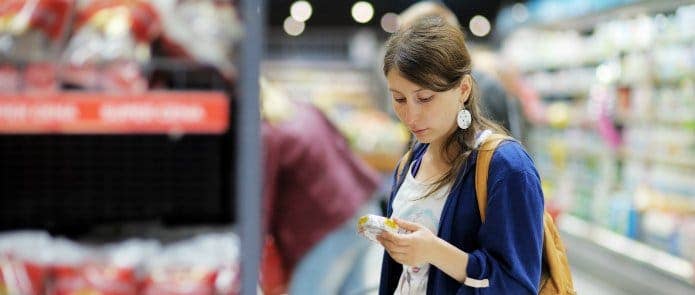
482	167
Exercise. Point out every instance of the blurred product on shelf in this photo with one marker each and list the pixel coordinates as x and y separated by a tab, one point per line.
619	147
203	31
207	264
24	262
111	270
111	45
33	263
314	190
31	35
111	40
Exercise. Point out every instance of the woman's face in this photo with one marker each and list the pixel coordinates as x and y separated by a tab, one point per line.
429	115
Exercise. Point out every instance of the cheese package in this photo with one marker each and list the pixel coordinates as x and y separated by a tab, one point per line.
370	226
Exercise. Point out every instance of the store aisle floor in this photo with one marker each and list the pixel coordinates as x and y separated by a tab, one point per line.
586	283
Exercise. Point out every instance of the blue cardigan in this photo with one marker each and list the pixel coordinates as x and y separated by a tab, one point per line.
507	249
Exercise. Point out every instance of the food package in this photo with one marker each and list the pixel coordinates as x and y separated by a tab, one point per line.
9	79
94	278
370	226
204	31
31	35
207	264
23	266
110	44
21	276
109	270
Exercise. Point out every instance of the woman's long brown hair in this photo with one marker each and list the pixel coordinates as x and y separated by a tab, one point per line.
433	54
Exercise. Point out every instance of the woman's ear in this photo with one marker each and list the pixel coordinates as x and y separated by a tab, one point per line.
465	89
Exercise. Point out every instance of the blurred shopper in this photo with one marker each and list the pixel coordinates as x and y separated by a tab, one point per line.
315	188
496	102
428	69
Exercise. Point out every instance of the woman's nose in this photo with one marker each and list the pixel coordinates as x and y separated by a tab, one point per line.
412	113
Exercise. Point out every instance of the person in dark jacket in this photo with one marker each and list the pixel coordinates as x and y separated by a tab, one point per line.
446	249
315	189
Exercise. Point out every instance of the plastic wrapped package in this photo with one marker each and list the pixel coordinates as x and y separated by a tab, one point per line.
370	226
200	30
111	41
109	270
9	78
31	34
33	263
23	265
67	257
206	265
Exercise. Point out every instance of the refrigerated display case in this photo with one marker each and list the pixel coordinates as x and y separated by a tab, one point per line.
617	151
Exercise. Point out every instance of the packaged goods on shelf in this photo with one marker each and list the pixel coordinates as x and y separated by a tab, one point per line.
203	265
618	147
112	44
111	40
37	264
203	31
686	238
24	266
31	33
113	270
660	229
672	62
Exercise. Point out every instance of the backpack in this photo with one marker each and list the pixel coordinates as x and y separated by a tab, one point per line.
556	277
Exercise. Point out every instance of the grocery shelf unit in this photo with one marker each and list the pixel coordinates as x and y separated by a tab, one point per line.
618	152
74	159
174	164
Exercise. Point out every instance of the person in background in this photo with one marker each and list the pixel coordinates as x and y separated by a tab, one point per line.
496	101
447	249
314	191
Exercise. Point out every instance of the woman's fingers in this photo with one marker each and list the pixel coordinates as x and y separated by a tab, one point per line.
407	225
393	239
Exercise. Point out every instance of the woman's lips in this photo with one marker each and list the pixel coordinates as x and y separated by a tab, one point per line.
419	131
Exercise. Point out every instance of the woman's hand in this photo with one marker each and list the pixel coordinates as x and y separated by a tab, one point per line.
413	248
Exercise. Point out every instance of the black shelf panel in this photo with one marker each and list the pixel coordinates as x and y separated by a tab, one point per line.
68	183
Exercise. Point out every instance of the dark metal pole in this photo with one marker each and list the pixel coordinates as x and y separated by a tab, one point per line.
248	167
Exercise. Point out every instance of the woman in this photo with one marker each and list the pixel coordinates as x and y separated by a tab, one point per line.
447	249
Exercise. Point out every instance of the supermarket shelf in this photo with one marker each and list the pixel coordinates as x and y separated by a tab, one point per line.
587	22
667	160
76	112
556	68
610	255
650	121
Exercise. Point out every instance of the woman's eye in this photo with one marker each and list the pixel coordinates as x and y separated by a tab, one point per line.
425	99
399	99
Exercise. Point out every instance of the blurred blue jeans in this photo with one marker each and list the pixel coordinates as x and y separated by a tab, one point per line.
336	265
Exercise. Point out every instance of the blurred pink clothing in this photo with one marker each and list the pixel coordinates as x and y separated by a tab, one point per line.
313	182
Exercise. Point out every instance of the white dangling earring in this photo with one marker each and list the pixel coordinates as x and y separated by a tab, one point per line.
464	119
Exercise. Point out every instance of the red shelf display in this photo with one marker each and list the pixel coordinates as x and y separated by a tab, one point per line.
90	113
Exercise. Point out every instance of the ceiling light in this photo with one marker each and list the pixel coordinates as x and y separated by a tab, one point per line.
301	11
362	11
